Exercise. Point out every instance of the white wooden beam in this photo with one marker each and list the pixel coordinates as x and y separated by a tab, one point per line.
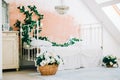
109	3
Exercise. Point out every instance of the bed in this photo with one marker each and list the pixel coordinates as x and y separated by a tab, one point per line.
86	53
79	56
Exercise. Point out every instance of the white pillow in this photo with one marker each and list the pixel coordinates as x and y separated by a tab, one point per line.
40	43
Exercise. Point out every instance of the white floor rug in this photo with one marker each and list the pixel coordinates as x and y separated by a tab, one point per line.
51	78
85	74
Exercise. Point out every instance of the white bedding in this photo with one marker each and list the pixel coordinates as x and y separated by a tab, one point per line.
77	56
74	56
67	51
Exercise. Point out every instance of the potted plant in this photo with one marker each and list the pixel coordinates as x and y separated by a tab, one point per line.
48	63
110	61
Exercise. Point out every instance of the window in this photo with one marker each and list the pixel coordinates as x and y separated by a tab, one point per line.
102	1
113	13
4	13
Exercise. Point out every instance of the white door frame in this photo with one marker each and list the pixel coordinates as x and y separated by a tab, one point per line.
0	39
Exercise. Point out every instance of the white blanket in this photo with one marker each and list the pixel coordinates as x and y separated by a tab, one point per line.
74	56
79	56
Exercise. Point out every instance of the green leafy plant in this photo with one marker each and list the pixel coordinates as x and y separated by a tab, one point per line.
28	23
70	42
110	60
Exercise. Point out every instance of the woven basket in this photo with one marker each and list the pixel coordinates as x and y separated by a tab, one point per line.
48	69
109	66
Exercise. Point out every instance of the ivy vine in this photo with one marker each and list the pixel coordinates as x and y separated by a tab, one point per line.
29	24
68	43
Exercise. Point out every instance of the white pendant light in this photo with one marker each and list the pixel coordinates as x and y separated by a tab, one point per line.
61	9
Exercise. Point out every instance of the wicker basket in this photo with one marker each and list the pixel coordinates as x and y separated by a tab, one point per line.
109	66
48	69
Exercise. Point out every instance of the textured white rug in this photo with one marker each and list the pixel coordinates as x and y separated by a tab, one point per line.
85	74
51	78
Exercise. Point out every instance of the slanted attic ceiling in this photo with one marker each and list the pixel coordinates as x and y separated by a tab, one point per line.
96	9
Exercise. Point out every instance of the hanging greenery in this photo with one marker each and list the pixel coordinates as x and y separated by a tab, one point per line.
29	23
70	42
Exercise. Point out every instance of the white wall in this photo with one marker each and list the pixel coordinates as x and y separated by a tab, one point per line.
80	12
0	40
110	45
77	9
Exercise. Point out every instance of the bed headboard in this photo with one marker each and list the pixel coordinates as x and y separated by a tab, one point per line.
92	33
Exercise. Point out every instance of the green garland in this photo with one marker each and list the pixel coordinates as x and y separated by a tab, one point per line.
29	24
70	42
